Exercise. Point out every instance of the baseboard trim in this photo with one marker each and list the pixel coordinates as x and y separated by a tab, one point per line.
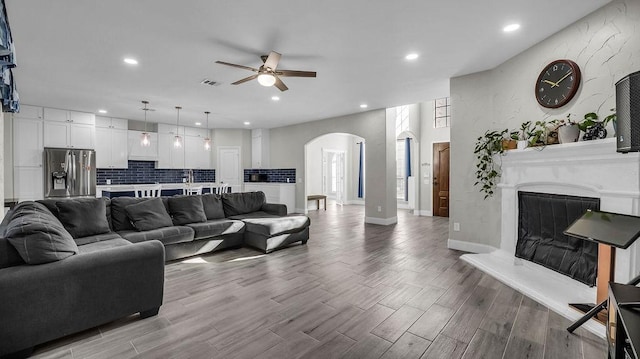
381	221
423	213
469	246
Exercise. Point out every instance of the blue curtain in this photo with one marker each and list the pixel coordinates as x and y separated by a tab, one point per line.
360	172
407	166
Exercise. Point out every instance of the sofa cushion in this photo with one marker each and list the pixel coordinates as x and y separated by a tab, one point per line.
186	209
83	217
96	238
102	245
166	235
240	203
38	236
9	257
52	206
216	227
273	226
258	214
212	204
120	221
148	214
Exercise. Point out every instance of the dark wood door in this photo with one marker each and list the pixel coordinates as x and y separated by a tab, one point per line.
441	179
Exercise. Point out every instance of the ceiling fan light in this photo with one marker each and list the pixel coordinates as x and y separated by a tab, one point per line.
145	139
266	80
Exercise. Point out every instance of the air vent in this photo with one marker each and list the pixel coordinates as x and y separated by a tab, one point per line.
209	82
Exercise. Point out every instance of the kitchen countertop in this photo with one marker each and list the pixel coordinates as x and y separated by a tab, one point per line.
271	183
130	187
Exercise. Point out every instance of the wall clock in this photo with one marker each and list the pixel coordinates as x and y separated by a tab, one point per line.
558	83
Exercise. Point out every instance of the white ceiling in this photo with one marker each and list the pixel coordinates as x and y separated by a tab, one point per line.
70	53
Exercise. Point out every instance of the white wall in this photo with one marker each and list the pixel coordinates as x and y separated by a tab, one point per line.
232	137
287	151
428	136
606	46
336	142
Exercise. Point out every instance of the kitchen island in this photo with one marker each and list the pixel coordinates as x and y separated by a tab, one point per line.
168	189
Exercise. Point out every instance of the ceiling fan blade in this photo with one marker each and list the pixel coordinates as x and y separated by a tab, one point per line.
272	60
280	85
238	66
294	73
245	79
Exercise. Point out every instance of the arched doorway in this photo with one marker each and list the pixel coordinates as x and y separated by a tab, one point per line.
334	167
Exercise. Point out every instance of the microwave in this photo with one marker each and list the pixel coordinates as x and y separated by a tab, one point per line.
258	177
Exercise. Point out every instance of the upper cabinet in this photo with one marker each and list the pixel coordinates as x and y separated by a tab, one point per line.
260	148
111	143
27	136
69	129
137	152
192	154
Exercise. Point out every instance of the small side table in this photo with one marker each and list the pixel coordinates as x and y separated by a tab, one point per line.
317	198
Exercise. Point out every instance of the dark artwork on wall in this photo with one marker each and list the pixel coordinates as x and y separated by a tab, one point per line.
542	218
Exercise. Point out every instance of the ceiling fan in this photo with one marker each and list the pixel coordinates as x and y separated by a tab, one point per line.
267	74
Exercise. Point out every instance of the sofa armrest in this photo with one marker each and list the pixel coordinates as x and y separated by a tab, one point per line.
48	301
275	209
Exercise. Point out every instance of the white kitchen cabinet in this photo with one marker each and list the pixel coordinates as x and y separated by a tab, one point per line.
110	122
260	148
27	142
137	152
282	193
32	112
169	156
28	184
111	148
68	129
196	156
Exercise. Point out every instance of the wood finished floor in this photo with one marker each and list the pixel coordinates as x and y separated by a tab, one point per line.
355	291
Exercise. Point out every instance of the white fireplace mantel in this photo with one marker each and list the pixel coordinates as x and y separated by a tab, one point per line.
588	169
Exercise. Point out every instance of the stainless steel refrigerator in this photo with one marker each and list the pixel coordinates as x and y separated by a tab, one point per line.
69	173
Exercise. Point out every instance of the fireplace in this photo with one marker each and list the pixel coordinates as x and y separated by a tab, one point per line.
590	169
542	217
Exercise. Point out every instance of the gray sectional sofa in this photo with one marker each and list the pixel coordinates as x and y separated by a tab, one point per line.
69	265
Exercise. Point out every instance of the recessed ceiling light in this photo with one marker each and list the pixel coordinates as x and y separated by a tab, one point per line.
364	105
412	56
247	123
102	111
130	61
275	98
198	123
511	27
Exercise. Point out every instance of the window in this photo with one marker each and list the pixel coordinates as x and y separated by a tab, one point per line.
402	119
442	112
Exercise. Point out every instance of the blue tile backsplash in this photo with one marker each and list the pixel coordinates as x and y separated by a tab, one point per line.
145	172
278	175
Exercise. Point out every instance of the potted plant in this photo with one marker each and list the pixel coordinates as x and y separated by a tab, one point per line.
613	118
510	141
538	134
568	130
488	172
525	128
592	128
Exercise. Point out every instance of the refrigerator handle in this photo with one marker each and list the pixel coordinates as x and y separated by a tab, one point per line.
73	173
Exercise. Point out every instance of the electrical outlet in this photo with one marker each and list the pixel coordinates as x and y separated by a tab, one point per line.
456	226
108	181
379	208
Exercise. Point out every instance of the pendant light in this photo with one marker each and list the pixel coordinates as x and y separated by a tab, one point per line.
145	138
177	140
207	140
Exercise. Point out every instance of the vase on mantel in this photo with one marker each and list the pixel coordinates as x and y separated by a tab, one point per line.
568	133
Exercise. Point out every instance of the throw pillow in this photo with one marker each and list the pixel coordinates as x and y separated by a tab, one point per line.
38	235
83	217
212	204
149	214
186	209
241	203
